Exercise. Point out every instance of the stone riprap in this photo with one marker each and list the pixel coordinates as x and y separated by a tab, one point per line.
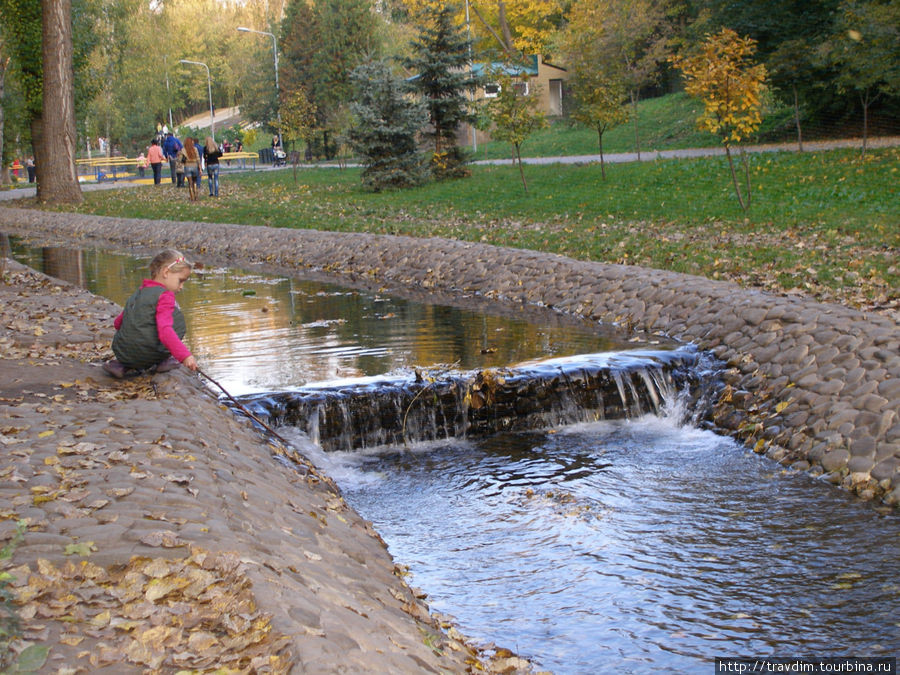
813	385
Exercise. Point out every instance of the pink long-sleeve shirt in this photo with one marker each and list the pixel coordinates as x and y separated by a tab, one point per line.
167	335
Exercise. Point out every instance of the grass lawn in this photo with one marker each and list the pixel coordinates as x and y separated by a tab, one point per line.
825	224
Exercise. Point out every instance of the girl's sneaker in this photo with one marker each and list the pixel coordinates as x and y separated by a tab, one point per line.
114	368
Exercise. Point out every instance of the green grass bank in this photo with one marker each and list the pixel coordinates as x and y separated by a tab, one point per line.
824	224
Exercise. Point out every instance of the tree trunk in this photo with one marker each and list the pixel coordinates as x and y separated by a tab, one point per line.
797	118
600	143
4	171
504	26
491	30
734	178
521	170
55	154
637	137
864	99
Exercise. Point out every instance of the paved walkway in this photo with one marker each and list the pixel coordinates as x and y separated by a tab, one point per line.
653	155
613	158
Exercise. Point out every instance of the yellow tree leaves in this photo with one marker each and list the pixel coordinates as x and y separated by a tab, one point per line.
523	25
730	85
722	74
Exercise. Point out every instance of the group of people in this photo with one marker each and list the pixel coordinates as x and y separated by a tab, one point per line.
29	167
187	160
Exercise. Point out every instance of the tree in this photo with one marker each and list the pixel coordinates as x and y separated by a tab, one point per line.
55	153
599	104
517	26
515	115
20	21
387	123
789	67
322	44
724	77
298	119
4	67
440	56
625	40
866	52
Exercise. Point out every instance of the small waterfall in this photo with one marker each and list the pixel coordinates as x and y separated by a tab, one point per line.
438	404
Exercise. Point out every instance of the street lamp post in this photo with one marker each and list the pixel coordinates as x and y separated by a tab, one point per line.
242	29
212	121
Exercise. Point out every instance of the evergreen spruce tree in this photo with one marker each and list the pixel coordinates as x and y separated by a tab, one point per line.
386	126
440	60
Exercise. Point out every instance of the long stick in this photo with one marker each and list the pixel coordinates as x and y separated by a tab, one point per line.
244	408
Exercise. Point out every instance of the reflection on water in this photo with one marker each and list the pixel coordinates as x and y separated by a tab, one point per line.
633	547
256	332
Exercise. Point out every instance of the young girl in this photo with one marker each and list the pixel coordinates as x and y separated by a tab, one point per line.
190	158
150	328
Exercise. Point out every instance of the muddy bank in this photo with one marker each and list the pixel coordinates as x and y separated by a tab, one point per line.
812	385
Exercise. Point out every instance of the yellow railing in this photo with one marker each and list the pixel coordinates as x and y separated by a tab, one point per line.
107	161
111	168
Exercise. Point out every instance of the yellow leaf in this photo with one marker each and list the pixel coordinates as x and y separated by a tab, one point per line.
202	640
44	434
101	620
160	588
781	406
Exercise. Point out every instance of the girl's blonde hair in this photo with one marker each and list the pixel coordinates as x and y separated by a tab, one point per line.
170	259
211	144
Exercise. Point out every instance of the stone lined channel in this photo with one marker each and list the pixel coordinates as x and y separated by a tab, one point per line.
812	385
603	547
653	530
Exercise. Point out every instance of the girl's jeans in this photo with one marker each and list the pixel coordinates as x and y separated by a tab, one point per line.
212	170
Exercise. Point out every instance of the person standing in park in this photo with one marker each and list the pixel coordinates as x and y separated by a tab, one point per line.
171	147
239	147
212	154
30	168
155	158
189	157
142	164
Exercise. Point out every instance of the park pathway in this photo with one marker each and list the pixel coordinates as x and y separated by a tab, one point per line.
612	158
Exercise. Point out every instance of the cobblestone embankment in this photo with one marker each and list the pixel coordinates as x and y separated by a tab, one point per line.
813	385
163	535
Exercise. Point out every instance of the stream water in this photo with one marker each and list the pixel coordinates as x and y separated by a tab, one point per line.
644	545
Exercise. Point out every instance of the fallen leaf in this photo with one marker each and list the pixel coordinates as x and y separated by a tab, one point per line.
119	492
83	549
163	538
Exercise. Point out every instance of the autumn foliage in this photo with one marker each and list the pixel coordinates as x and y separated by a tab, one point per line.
723	75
